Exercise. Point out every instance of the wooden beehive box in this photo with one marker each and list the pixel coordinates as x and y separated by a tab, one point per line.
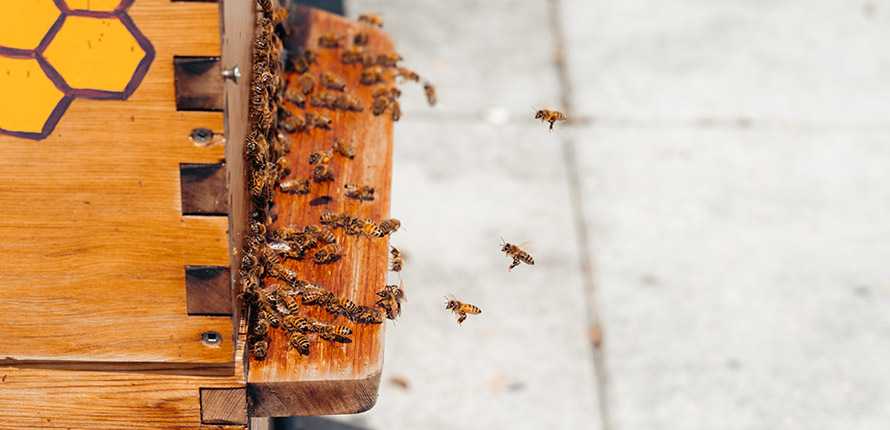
122	207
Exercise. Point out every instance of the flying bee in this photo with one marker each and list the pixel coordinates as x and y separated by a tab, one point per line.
461	309
388	226
370	19
323	172
294	323
327	253
306	82
380	105
430	91
407	74
396	265
391	93
372	75
259	347
321	157
321	233
395	111
517	254
352	55
332	80
295	96
389	59
323	100
361	38
368	315
550	116
317	120
295	186
330	40
343	148
300	342
360	192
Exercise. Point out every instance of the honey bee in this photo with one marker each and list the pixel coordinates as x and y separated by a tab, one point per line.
306	82
343	148
461	309
370	19
389	59
396	265
335	333
289	303
323	100
295	186
315	325
391	93
265	299
360	192
550	116
380	105
430	91
352	55
317	120
395	111
361	38
249	262
335	219
407	74
397	291
260	326
273	318
256	228
266	5
330	40
321	157
249	283
281	168
292	125
363	226
280	15
517	254
323	172
391	297
388	226
316	295
332	80
349	102
342	305
321	233
295	96
300	342
294	323
368	315
259	347
372	75
327	253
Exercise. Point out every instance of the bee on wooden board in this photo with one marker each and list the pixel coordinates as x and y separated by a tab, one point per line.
368	315
371	19
391	93
316	295
395	110
295	186
348	306
430	91
388	226
517	254
294	323
259	347
256	228
323	172
396	265
461	309
343	148
352	55
349	102
261	325
335	219
372	75
334	333
323	100
361	38
295	96
330	40
321	157
289	303
360	192
332	80
388	59
300	342
327	253
550	116
317	120
306	82
321	233
380	105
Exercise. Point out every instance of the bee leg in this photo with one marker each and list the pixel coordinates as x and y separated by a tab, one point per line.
461	319
551	126
514	264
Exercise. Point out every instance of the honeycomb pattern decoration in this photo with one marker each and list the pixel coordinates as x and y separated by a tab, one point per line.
53	51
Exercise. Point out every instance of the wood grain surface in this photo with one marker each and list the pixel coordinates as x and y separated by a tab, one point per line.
335	378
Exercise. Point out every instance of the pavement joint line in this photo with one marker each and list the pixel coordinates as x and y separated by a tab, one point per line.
575	197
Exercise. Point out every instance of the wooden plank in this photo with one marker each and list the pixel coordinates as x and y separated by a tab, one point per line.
198	82
204	190
335	378
208	290
92	234
223	406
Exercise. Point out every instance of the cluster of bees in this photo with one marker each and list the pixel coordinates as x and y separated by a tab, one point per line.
271	294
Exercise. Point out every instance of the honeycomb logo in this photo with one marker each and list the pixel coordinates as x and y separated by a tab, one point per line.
52	51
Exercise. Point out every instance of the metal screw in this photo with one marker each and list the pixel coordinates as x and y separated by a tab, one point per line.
201	135
234	74
211	338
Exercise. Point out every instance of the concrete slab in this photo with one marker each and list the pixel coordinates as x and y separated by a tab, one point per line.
776	60
524	363
742	275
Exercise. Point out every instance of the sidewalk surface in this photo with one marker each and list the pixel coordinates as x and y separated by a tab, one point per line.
719	202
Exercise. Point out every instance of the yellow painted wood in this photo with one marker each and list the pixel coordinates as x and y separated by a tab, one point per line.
23	23
22	79
93	5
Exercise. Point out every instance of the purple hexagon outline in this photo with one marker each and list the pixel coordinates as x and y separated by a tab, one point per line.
138	74
50	124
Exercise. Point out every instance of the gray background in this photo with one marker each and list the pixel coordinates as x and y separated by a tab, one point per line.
718	204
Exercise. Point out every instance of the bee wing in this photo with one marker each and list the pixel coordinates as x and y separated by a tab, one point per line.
528	246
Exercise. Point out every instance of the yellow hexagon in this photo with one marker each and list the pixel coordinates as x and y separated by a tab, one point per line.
93	5
94	53
29	97
23	23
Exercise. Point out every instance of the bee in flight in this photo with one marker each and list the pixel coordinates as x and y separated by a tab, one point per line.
370	19
517	254
396	259
550	116
461	309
